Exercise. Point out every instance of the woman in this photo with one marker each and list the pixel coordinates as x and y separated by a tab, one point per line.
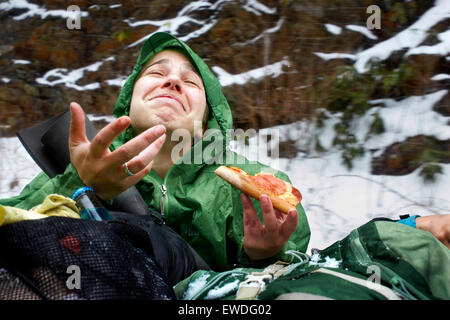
172	89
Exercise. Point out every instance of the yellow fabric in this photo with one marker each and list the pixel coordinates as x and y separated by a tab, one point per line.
53	205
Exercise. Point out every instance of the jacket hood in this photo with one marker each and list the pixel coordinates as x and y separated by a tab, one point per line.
219	111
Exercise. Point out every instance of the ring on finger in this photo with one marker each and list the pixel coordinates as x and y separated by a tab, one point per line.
127	171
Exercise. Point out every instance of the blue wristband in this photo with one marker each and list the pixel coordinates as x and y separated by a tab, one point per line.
410	221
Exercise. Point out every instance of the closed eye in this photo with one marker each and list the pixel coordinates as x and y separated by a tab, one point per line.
157	70
191	82
158	73
191	79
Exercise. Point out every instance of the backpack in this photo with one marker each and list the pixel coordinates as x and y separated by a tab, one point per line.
129	257
379	260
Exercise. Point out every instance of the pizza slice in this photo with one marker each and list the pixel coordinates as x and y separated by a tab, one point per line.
282	194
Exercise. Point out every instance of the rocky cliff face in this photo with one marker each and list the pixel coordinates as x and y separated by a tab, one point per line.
264	52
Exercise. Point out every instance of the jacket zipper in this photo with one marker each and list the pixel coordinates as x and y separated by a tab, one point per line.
163	198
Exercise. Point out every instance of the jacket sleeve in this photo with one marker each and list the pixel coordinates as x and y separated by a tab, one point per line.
35	192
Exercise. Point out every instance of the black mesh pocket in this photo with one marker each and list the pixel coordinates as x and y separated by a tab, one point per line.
64	258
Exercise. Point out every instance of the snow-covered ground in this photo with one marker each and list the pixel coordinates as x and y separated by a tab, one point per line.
16	167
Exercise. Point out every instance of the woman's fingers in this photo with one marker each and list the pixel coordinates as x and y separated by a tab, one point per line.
251	218
290	224
77	132
270	220
135	178
282	225
142	161
150	140
107	135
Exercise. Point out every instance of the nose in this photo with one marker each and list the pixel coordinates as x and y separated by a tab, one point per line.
172	83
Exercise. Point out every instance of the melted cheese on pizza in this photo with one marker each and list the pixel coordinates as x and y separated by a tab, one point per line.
292	195
268	182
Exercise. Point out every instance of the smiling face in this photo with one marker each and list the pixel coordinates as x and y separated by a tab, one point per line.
167	92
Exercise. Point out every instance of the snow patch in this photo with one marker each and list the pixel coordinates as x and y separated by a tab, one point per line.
70	78
335	55
406	118
440	49
257	8
266	32
440	77
172	25
409	38
19	61
94	117
363	30
35	10
328	263
117	82
222	291
274	70
16	166
195	286
331	28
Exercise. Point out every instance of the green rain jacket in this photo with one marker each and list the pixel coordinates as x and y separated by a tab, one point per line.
206	211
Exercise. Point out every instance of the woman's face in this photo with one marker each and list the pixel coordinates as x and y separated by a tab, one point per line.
170	92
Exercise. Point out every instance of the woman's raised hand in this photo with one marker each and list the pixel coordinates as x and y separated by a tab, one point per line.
111	173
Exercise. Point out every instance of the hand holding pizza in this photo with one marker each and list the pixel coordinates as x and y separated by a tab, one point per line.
278	201
265	240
